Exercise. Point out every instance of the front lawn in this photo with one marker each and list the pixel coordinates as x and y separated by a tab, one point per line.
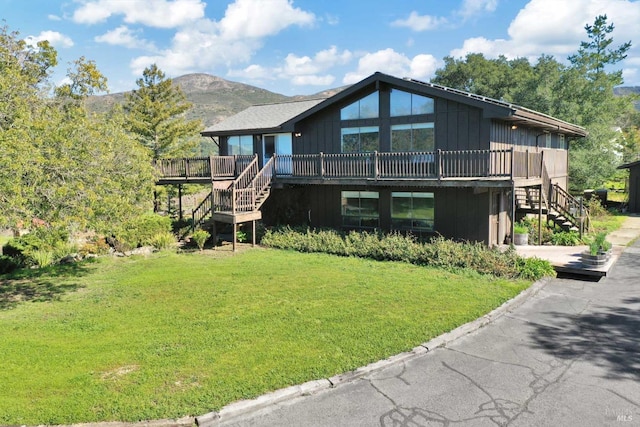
174	335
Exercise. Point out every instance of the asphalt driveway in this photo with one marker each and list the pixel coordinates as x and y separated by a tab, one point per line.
568	356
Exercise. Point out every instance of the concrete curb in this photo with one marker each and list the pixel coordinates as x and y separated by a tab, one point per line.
244	407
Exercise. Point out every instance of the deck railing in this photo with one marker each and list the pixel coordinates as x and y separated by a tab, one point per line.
440	164
412	165
201	167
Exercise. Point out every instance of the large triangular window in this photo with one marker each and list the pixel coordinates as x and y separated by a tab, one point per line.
364	108
409	104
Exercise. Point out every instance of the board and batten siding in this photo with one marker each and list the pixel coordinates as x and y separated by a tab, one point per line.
459	213
457	127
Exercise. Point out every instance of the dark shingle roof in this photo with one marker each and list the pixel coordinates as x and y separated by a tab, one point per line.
263	117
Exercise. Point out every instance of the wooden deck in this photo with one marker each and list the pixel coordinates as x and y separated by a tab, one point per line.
442	168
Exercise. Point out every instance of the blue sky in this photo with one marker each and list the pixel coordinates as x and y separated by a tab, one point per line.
306	46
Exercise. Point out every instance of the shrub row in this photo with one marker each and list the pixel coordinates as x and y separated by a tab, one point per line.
439	252
48	245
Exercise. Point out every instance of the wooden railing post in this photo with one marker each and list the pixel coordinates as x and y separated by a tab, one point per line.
439	163
321	165
527	163
375	164
233	198
513	162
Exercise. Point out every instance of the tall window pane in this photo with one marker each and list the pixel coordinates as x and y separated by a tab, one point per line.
359	140
365	108
240	145
400	103
423	137
412	137
409	104
412	211
421	105
401	138
360	209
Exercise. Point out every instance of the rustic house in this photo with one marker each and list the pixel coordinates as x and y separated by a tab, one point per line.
387	154
634	185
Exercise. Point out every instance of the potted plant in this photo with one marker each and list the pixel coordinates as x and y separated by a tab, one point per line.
598	253
520	234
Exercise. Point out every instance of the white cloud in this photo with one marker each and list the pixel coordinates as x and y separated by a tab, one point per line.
391	62
556	28
52	17
418	22
323	60
470	8
259	18
313	80
55	39
124	36
206	44
252	72
154	13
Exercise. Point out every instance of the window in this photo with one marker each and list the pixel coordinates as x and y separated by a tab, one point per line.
409	104
360	140
562	143
547	140
360	209
412	211
412	137
240	145
365	108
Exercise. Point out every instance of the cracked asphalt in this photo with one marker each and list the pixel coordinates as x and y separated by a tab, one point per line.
568	356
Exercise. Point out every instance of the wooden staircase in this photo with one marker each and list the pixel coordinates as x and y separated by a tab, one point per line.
241	200
560	207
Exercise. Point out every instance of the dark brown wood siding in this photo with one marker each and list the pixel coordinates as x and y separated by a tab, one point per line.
634	189
457	127
460	213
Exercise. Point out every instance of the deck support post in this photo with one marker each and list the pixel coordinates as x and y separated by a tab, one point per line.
540	215
513	210
214	234
253	233
233	238
180	202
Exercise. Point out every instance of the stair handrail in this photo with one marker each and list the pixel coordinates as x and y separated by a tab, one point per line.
264	177
201	211
582	220
545	195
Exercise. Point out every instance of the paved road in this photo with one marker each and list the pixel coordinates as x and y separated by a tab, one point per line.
569	356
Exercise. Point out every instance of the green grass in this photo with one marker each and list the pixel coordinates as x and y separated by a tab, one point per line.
607	223
176	335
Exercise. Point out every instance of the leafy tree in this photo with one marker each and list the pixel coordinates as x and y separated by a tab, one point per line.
155	115
60	165
581	93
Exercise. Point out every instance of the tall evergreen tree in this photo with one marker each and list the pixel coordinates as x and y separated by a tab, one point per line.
156	116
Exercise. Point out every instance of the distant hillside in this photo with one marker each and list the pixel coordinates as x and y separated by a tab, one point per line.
628	90
213	98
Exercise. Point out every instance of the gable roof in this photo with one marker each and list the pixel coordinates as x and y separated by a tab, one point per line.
284	116
264	118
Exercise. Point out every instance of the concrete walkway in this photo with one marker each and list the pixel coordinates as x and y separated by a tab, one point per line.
569	355
566	259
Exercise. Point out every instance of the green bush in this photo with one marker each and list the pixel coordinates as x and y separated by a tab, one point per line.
163	241
29	250
42	258
566	238
439	252
535	268
8	264
200	237
140	231
94	246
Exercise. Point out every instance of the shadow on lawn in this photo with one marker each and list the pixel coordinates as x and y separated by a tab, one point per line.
40	285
